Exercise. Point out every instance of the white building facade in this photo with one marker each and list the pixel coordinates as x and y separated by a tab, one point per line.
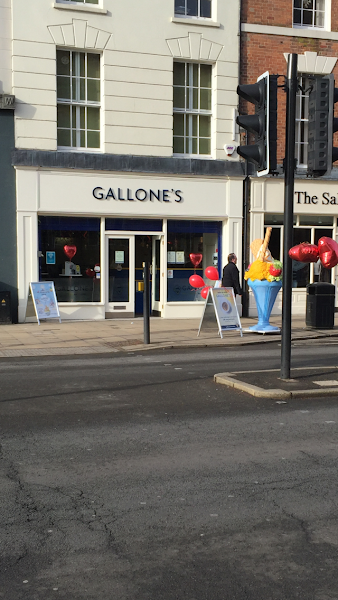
122	114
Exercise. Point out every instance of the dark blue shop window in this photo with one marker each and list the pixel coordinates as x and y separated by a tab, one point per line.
70	249
185	238
134	225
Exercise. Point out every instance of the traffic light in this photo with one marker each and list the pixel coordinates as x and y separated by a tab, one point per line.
321	126
263	124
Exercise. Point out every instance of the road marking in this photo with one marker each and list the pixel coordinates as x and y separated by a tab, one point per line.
328	383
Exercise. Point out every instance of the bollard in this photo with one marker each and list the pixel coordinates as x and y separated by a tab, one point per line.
146	302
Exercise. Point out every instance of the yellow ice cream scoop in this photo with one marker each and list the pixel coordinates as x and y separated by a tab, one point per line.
258	270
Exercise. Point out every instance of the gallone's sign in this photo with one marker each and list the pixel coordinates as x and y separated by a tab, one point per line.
305	198
140	194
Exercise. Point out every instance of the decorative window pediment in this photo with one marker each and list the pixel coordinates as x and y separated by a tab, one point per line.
310	62
194	47
79	34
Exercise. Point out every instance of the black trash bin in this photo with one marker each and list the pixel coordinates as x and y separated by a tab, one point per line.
320	300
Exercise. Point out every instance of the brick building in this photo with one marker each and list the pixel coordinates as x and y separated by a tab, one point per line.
269	31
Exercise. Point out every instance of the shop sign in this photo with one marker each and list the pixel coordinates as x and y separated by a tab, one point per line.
141	195
325	198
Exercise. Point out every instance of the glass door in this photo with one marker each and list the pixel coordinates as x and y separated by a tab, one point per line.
121	274
156	291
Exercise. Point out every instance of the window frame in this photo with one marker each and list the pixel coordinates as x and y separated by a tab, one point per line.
80	2
191	112
325	12
78	103
198	15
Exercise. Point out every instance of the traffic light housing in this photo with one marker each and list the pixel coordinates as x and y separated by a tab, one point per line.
263	124
321	126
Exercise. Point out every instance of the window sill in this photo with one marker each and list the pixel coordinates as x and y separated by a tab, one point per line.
195	21
198	156
309	27
80	8
77	150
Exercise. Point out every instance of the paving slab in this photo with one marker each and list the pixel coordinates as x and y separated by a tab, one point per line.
304	382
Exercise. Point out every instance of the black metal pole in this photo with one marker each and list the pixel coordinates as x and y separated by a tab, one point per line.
246	200
146	302
289	184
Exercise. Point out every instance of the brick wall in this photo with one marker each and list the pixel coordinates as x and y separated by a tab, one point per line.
260	53
262	12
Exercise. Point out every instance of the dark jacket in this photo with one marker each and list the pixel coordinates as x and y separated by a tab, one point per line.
231	278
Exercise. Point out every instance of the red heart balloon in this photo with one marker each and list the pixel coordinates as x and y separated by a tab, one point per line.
90	273
70	251
196	281
205	291
196	259
328	252
211	273
304	252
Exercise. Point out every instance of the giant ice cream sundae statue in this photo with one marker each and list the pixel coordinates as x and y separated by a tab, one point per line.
264	277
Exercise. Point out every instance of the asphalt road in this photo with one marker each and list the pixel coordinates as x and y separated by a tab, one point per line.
136	477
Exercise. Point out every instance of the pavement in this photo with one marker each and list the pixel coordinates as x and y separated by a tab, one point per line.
52	338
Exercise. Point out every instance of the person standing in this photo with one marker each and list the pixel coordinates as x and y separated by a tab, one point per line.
231	275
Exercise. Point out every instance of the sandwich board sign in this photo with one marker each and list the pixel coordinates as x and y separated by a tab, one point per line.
42	300
220	309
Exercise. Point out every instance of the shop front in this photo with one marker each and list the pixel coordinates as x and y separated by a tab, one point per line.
90	234
315	216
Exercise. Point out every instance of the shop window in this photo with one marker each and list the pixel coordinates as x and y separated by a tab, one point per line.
70	256
308	13
193	8
78	99
185	238
302	273
192	109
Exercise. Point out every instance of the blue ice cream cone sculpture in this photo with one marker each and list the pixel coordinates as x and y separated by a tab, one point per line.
265	293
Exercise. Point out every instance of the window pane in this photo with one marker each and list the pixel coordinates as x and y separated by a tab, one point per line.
316	220
319	19
300	271
93	118
63	137
297	17
195	71
63	115
192	8
93	65
307	17
93	90
179	124
54	234
179	7
179	73
62	62
274	243
194	149
82	59
81	111
205	126
63	88
195	98
205	100
82	139
297	3
205	76
206	8
194	125
196	241
179	97
204	147
93	139
178	145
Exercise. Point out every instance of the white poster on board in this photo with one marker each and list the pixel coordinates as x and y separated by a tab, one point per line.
221	305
